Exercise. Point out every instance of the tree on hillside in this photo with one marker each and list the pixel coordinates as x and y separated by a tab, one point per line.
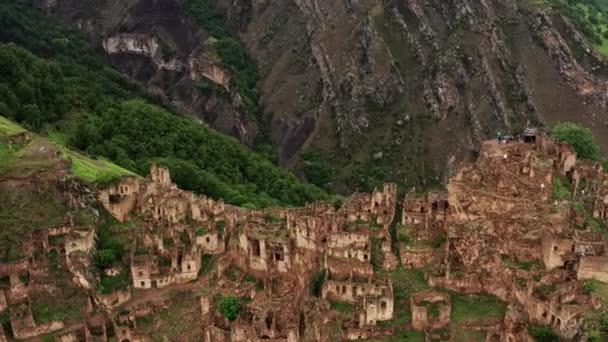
230	307
579	137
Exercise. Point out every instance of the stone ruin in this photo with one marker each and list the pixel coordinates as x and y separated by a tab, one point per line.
497	214
497	229
276	245
430	310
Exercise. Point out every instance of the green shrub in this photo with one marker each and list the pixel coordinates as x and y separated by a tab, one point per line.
230	307
581	139
403	234
316	283
542	333
560	190
317	170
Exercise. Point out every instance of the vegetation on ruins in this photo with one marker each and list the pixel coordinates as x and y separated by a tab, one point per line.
560	189
230	307
54	81
342	307
316	283
542	333
475	307
581	139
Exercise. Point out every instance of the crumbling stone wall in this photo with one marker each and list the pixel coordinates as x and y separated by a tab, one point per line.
593	267
430	310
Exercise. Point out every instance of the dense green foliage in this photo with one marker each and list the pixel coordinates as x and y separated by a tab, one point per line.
89	105
581	138
35	91
542	333
230	307
560	189
317	170
109	249
230	51
590	17
135	134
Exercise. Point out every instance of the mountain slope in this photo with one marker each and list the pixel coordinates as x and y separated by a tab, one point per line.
74	93
373	90
396	89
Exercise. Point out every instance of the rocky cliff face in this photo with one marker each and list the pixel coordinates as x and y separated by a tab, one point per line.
414	83
157	43
387	89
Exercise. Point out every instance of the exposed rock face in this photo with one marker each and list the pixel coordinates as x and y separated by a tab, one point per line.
461	70
157	43
419	81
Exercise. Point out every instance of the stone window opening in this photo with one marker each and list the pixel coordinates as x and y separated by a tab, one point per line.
188	267
278	256
365	257
383	305
141	274
268	322
422	209
343	289
256	248
354	290
555	248
207	239
143	283
559	322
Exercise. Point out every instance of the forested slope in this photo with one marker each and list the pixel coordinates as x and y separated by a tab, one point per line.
51	80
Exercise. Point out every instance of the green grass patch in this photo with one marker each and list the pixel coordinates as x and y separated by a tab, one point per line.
542	333
476	308
207	264
65	307
561	191
524	265
110	284
405	283
597	289
465	335
401	336
91	170
8	127
23	210
342	307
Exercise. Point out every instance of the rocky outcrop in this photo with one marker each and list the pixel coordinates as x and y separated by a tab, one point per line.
158	44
